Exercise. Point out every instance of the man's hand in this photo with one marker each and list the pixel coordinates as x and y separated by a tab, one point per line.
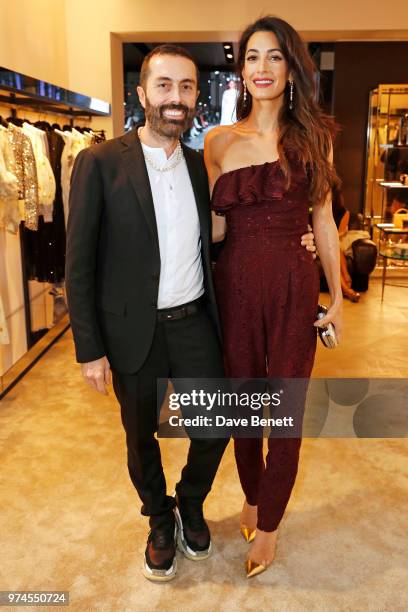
97	374
308	242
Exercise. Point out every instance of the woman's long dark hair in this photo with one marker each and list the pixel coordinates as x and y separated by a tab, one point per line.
305	128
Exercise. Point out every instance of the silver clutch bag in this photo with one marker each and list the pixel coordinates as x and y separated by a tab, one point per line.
327	333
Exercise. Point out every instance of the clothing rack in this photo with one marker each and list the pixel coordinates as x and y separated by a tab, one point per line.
12	101
42	107
17	101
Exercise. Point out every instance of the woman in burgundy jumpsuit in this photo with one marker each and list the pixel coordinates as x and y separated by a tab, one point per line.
267	292
267	284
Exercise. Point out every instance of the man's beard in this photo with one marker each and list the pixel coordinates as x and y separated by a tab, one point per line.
163	126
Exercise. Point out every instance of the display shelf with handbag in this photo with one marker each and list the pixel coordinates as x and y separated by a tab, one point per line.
400	218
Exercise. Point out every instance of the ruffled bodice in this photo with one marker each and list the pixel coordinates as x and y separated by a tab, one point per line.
267	284
255	201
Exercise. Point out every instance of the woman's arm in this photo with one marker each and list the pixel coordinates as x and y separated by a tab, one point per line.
327	241
219	225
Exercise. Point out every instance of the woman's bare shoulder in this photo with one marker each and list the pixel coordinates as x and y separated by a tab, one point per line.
221	137
218	134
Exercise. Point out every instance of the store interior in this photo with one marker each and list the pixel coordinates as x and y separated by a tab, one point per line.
374	176
71	513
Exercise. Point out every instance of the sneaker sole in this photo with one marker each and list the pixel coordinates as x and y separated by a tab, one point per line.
160	575
184	547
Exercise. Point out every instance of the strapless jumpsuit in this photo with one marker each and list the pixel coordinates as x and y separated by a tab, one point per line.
267	288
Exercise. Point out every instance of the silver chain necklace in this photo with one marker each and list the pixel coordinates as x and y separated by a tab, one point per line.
177	157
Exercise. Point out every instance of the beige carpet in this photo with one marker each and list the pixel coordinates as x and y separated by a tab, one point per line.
70	518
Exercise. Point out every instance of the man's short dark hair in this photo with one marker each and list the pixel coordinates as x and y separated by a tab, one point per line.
356	221
166	49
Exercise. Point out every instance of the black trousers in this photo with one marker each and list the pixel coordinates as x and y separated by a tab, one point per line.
183	348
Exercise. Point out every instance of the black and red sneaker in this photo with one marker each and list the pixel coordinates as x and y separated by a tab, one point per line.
193	537
160	563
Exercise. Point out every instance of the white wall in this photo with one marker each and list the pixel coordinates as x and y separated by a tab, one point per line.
90	65
69	42
33	39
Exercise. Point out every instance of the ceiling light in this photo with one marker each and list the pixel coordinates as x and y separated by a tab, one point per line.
227	46
230	56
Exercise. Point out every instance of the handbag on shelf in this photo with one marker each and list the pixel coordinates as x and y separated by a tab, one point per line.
327	333
400	218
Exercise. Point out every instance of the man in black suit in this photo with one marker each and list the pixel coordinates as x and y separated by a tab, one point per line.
140	293
141	296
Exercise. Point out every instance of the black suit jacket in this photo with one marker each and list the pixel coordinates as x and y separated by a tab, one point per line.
113	258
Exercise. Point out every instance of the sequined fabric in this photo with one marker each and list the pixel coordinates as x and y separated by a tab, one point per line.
267	289
45	249
45	175
10	216
26	173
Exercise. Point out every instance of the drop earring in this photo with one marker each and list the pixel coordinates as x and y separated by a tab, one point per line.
245	93
291	95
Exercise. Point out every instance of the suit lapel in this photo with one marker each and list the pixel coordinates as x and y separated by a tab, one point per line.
200	197
135	166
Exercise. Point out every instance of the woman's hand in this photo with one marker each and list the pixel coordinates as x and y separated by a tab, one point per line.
308	241
219	227
335	316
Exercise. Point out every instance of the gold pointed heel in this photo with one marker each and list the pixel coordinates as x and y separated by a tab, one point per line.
253	568
247	533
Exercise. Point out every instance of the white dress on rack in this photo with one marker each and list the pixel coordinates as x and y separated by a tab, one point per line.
45	175
74	141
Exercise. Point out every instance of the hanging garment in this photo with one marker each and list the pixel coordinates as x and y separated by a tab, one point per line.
88	138
44	250
74	143
4	335
8	182
45	175
24	169
41	307
10	215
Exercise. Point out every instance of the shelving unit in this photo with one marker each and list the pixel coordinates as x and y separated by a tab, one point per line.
386	161
391	251
387	153
20	96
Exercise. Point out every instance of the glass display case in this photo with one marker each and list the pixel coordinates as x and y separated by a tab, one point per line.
386	186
